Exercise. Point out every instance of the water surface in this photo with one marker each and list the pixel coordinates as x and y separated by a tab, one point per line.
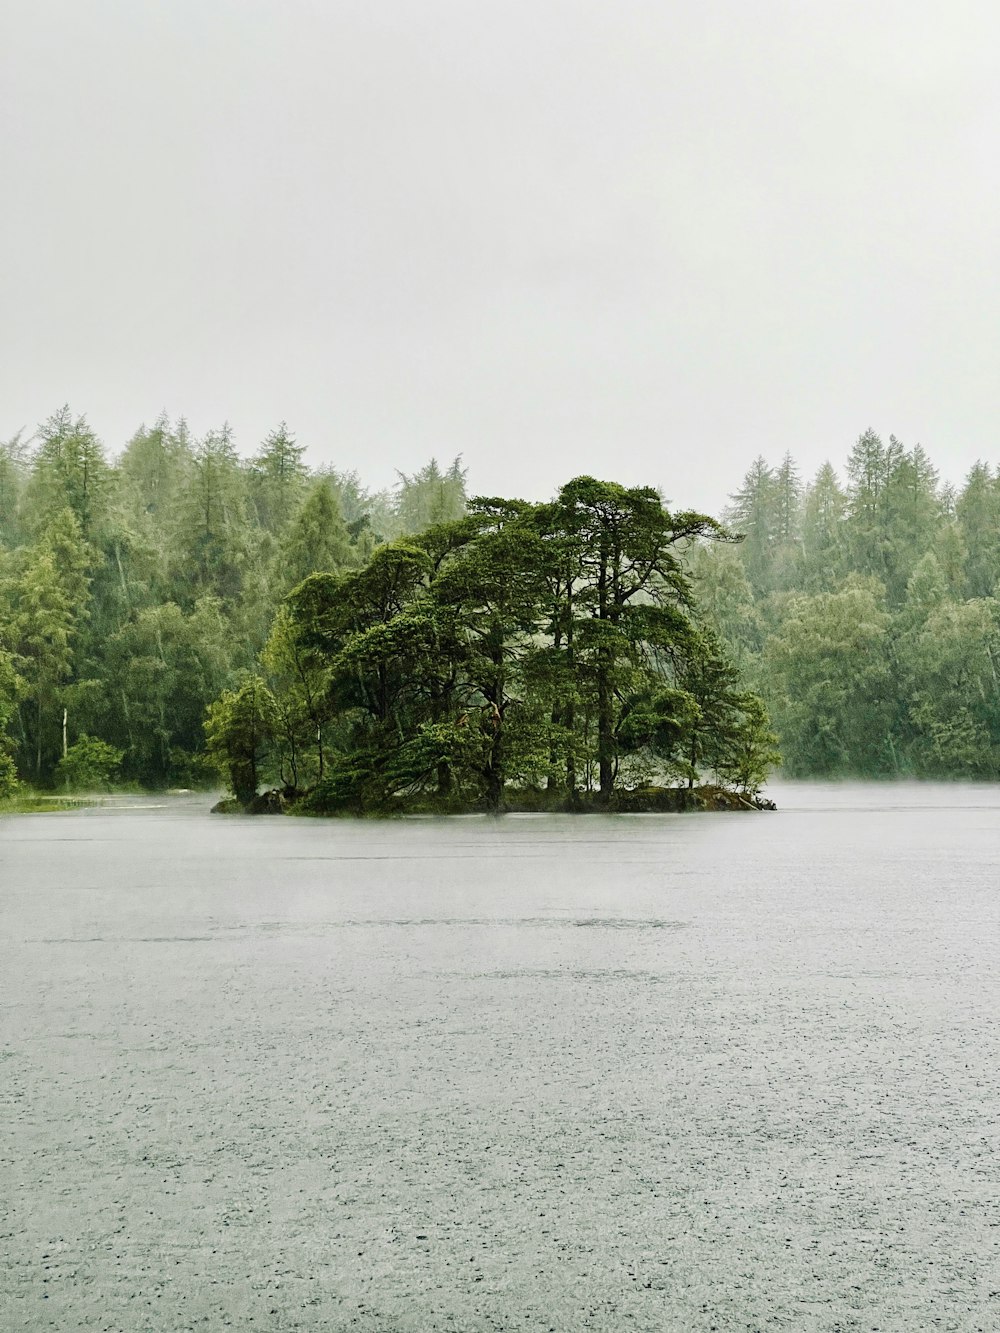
694	1072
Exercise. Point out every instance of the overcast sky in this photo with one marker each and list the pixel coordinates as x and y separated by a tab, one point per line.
645	240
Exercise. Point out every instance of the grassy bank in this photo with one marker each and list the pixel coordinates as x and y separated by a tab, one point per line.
37	803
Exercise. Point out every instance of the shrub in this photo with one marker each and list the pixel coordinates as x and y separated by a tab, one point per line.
8	777
88	765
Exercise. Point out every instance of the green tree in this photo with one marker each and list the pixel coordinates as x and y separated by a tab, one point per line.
429	496
823	531
756	513
88	765
211	541
240	729
952	676
298	678
13	472
317	539
160	672
153	470
751	752
626	600
45	627
279	478
69	470
11	686
830	684
978	513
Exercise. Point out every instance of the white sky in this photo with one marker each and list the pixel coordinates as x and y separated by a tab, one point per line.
639	238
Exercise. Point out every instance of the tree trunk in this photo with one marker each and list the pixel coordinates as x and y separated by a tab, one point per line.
495	776
605	738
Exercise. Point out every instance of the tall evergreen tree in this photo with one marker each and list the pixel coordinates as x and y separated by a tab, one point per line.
317	539
755	513
279	478
69	469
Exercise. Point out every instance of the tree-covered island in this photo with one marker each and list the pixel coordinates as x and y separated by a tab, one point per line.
543	656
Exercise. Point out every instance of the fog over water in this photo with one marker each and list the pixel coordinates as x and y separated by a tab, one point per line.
696	1072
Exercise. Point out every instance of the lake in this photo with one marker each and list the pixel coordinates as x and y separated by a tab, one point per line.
681	1072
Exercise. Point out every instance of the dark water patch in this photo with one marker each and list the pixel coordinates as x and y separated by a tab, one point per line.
630	923
614	974
467	922
124	939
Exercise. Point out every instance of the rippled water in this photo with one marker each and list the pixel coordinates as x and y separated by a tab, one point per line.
650	1072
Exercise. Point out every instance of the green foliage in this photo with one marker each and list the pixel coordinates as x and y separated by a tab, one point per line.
240	727
89	764
874	642
185	606
518	648
69	470
9	784
430	497
751	750
831	686
11	686
13	474
318	538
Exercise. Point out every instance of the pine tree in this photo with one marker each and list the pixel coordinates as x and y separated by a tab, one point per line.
69	469
754	514
317	539
279	479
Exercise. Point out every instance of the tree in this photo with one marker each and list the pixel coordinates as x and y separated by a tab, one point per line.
830	684
11	686
45	625
713	728
211	542
755	513
279	478
317	539
726	601
626	598
952	676
13	471
161	670
239	728
298	680
88	765
823	530
153	470
429	496
978	512
69	469
752	749
488	592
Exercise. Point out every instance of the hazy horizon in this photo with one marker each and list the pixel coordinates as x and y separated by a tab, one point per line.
623	240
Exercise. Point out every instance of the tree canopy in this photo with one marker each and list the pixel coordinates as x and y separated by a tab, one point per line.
866	610
477	652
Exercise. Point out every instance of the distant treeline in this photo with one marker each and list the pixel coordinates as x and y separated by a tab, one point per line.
362	649
134	591
415	641
865	609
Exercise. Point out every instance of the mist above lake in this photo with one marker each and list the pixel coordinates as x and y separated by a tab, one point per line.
691	1071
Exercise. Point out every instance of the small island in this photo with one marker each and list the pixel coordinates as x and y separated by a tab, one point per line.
542	657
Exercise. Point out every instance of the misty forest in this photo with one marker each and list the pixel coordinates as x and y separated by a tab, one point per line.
181	614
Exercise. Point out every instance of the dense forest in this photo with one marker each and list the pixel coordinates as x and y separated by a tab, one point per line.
865	609
182	611
134	591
